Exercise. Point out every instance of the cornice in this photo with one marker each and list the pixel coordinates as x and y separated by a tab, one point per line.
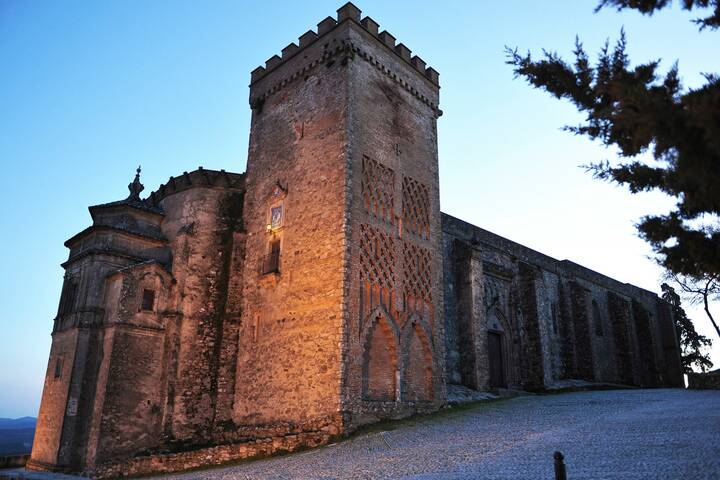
99	251
123	231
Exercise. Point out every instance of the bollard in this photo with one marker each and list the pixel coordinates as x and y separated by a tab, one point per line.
559	466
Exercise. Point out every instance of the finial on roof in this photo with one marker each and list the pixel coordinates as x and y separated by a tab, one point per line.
136	187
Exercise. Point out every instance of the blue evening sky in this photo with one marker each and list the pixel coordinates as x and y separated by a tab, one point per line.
89	90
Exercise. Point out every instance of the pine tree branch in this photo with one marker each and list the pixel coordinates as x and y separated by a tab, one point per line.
648	7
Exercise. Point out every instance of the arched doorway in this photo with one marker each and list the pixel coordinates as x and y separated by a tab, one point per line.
496	360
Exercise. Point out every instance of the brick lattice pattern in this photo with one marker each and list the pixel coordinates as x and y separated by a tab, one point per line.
417	271
378	189
416	207
377	256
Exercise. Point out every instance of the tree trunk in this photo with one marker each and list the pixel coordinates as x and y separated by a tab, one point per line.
707	311
706	303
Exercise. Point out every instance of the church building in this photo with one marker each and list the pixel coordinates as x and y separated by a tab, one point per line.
236	315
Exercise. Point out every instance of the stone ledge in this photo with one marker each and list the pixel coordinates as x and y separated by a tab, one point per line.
209	457
13	461
704	381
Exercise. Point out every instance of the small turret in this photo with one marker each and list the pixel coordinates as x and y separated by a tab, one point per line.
135	187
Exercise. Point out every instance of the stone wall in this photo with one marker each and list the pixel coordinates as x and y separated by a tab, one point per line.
217	455
464	279
704	381
289	362
562	322
54	402
111	385
203	225
620	313
120	235
532	366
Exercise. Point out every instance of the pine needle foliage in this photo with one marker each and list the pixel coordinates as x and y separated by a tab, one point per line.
638	111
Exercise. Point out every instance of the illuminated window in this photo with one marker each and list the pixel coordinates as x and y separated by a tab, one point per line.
148	300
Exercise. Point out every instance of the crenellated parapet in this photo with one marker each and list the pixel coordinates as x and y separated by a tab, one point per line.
197	178
347	12
344	49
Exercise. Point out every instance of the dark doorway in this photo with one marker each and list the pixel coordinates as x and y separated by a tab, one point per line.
495	355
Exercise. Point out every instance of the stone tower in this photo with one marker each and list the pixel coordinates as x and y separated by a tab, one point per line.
85	332
342	298
144	342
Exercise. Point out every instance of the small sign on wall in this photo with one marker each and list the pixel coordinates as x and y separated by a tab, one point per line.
276	217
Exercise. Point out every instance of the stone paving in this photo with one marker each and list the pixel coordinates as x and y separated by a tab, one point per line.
619	434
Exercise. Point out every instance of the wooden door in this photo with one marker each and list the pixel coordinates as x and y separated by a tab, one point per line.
495	355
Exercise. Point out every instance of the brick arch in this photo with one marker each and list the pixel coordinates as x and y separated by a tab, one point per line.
380	358
417	361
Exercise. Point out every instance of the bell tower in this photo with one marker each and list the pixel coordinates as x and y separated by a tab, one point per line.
343	272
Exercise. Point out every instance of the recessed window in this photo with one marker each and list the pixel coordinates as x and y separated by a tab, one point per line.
271	262
58	367
148	300
597	319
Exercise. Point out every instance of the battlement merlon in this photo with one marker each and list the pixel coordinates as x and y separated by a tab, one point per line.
331	42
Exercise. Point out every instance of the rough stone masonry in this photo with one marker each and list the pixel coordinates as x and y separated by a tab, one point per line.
229	316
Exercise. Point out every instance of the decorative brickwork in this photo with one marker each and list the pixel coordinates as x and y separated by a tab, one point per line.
377	256
380	361
377	273
417	270
415	207
378	189
418	367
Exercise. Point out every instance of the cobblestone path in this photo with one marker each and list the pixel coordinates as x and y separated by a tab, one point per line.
621	434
